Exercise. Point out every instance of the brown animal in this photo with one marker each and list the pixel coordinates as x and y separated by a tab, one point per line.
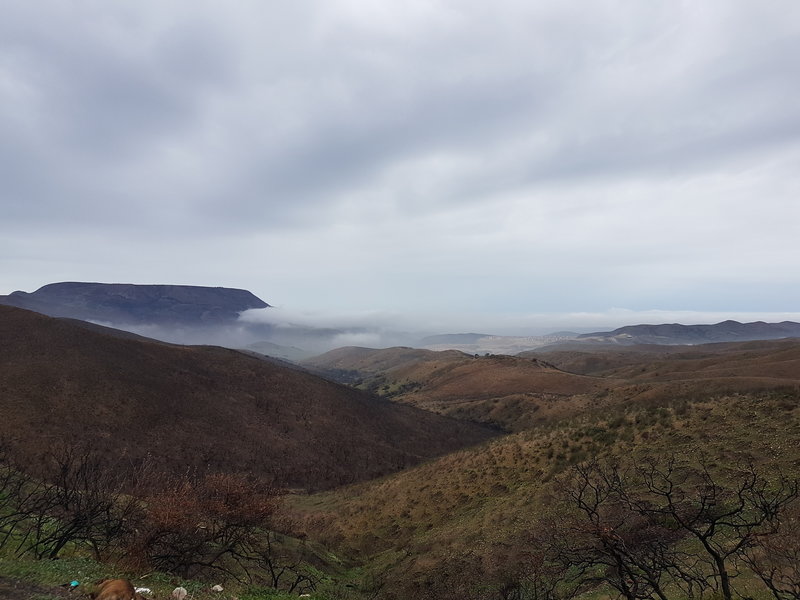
114	589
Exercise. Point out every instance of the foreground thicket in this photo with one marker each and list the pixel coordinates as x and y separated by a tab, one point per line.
474	524
665	500
658	526
665	528
73	502
660	529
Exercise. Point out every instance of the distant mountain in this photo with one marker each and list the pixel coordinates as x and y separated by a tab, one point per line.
677	334
202	408
129	304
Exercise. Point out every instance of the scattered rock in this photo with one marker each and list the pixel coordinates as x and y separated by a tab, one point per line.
179	593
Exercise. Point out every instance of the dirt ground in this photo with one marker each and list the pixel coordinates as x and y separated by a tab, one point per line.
14	589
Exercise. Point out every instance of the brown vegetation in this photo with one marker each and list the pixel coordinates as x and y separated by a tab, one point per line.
538	388
205	409
479	504
651	473
504	391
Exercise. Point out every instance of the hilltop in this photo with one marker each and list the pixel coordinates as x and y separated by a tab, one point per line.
206	408
769	360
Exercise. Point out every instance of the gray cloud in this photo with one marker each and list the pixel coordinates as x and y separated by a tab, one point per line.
433	155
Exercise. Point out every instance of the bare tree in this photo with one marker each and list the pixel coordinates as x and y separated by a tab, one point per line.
543	577
775	556
74	498
725	513
85	503
609	543
18	494
284	562
663	523
206	525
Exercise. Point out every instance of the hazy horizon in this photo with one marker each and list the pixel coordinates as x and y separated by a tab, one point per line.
381	328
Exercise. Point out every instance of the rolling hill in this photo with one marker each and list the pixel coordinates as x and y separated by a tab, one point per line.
504	391
461	524
534	388
204	408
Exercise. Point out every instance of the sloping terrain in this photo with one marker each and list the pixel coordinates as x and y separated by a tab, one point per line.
464	518
460	515
371	361
204	408
122	303
504	391
765	359
534	388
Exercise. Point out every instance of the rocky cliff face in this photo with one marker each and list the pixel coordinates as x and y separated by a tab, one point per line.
122	303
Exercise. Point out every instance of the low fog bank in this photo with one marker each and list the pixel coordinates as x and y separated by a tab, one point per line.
317	331
281	334
296	334
228	336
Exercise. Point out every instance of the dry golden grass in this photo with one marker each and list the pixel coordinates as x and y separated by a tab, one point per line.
504	391
521	392
220	410
730	403
477	500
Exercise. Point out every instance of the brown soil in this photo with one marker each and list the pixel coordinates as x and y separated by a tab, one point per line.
15	589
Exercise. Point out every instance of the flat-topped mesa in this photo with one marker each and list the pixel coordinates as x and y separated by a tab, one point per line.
125	303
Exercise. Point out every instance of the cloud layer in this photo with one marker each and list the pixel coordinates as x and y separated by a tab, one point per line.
506	159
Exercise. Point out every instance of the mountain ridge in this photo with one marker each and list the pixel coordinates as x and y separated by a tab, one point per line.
678	334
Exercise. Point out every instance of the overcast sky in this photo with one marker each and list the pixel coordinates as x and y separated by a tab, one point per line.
506	159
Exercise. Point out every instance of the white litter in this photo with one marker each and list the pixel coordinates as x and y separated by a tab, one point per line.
179	593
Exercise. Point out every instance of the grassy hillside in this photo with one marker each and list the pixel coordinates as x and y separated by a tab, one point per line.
434	507
536	388
666	360
504	391
203	408
476	503
728	405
